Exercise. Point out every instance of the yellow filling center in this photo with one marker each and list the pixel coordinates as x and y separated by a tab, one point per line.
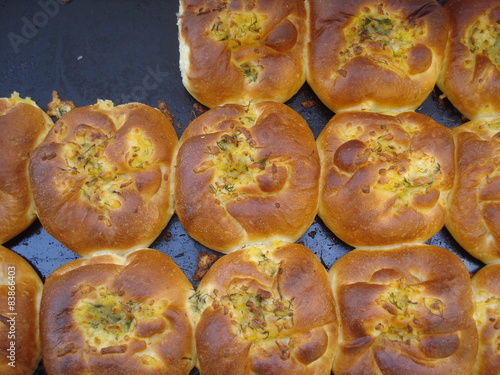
257	313
483	37
384	37
421	173
109	319
240	29
402	303
103	181
234	158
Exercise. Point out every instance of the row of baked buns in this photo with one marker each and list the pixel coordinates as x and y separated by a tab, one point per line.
265	309
109	178
356	55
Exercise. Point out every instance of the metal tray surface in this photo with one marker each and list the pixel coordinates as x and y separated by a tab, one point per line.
124	51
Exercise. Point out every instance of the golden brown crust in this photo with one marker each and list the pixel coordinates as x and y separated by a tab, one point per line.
405	310
266	309
117	314
384	179
470	76
245	174
473	216
102	179
375	55
240	51
20	293
23	126
486	288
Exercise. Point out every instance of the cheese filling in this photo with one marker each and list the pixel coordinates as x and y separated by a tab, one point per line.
403	304
406	173
382	36
235	161
240	30
110	320
256	312
103	182
483	38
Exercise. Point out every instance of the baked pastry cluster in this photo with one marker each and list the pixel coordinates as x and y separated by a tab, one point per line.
246	174
375	55
247	178
266	309
403	310
473	216
102	178
470	77
23	126
395	172
117	314
20	294
240	51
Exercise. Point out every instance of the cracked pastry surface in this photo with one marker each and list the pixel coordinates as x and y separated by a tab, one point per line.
473	216
470	77
118	314
238	51
407	309
245	174
385	179
375	55
265	309
102	179
23	126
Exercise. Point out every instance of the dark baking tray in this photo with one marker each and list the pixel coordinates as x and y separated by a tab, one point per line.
126	50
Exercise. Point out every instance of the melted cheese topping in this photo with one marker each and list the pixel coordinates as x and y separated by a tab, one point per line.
103	182
257	313
109	320
483	38
234	158
422	173
239	30
419	177
403	304
382	36
487	313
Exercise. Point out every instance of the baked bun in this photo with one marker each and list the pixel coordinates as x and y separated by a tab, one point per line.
112	314
102	179
473	216
242	51
265	310
470	77
245	174
23	126
405	310
375	55
384	179
20	293
486	287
